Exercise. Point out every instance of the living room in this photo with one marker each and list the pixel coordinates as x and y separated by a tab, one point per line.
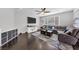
23	25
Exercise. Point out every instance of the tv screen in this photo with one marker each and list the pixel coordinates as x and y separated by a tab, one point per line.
31	20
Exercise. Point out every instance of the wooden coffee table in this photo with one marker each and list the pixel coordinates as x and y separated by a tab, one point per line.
47	33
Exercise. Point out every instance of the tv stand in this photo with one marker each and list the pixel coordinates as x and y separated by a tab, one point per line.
31	28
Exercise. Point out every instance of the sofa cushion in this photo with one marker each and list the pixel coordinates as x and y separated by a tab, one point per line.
77	36
67	39
49	27
74	32
62	28
64	46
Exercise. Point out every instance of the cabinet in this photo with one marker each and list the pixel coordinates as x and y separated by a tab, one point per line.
7	36
31	28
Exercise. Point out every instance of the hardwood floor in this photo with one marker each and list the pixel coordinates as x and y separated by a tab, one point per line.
24	42
19	43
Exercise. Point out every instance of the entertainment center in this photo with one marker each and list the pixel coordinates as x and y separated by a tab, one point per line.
31	24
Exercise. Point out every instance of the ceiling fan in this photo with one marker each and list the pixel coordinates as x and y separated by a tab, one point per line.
42	10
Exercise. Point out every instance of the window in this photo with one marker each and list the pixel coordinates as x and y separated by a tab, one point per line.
56	20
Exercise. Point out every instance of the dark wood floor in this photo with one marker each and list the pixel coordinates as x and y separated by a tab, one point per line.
24	42
19	43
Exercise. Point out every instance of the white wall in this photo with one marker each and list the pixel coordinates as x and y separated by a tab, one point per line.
21	18
76	13
66	18
6	19
11	18
22	14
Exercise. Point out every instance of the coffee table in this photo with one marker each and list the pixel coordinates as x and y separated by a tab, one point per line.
47	32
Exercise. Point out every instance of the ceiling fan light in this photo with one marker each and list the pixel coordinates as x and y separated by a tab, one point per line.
43	9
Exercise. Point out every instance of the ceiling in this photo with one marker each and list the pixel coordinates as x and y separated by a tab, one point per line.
55	10
52	10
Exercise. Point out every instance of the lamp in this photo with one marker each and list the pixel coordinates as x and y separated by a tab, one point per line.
76	23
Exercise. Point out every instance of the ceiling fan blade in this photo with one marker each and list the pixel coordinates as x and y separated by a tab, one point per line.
38	11
42	10
46	11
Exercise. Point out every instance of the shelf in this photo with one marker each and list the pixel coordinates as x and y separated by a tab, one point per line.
9	40
8	36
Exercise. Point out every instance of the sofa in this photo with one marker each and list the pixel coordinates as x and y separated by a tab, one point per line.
69	39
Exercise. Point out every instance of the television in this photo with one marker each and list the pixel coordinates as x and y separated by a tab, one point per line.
31	20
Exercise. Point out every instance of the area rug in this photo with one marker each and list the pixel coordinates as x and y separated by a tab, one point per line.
52	41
